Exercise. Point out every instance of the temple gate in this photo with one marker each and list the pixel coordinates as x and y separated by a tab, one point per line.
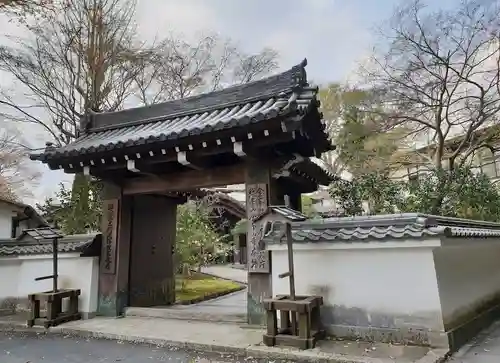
262	133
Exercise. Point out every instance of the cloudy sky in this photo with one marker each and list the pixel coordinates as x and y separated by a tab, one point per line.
333	35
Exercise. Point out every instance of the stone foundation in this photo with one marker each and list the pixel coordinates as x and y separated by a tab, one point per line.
424	328
14	305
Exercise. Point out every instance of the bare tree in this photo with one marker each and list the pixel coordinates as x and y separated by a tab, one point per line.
85	57
23	3
17	175
438	76
24	7
180	69
25	12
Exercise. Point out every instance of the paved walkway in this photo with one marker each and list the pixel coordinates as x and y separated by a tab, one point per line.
233	304
227	272
228	308
485	348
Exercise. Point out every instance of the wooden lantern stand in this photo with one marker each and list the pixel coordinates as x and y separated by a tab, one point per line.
300	321
53	299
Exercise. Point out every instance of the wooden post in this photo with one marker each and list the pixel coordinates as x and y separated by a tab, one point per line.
291	275
54	263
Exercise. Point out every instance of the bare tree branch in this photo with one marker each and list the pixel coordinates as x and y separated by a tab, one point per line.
439	75
17	175
180	69
85	57
21	9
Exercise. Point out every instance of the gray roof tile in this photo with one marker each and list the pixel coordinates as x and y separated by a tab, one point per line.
73	243
288	213
344	234
280	95
389	227
245	96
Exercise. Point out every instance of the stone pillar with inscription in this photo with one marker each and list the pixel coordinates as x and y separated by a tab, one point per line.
261	191
115	253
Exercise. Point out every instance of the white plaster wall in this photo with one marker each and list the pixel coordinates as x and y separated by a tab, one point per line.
74	272
468	274
9	269
383	291
380	278
6	214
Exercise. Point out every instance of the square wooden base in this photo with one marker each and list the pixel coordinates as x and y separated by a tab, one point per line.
307	330
55	315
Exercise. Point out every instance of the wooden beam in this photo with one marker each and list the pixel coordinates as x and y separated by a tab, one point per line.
196	156
186	180
297	183
184	159
131	166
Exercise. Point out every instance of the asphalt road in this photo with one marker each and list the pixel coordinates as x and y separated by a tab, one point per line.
37	348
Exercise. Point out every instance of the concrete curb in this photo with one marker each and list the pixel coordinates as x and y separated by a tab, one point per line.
185	315
213	296
435	356
253	351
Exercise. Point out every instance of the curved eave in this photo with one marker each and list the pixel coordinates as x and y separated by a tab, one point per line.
286	98
121	141
315	170
228	203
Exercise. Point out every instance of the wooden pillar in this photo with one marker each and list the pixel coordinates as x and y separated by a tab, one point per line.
237	248
295	200
261	191
152	275
115	253
243	248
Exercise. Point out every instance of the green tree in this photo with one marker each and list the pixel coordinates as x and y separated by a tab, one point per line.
307	206
76	210
355	128
197	242
378	191
467	194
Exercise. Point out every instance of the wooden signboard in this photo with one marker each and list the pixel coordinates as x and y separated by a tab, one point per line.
109	236
257	201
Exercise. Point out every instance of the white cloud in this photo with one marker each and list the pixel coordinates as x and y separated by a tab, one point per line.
156	18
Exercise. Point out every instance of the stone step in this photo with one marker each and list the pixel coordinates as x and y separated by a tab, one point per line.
180	313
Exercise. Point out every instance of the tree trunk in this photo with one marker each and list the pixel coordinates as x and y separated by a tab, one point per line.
80	197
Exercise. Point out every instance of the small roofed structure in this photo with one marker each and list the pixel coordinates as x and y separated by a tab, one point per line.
305	332
85	244
55	314
46	233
